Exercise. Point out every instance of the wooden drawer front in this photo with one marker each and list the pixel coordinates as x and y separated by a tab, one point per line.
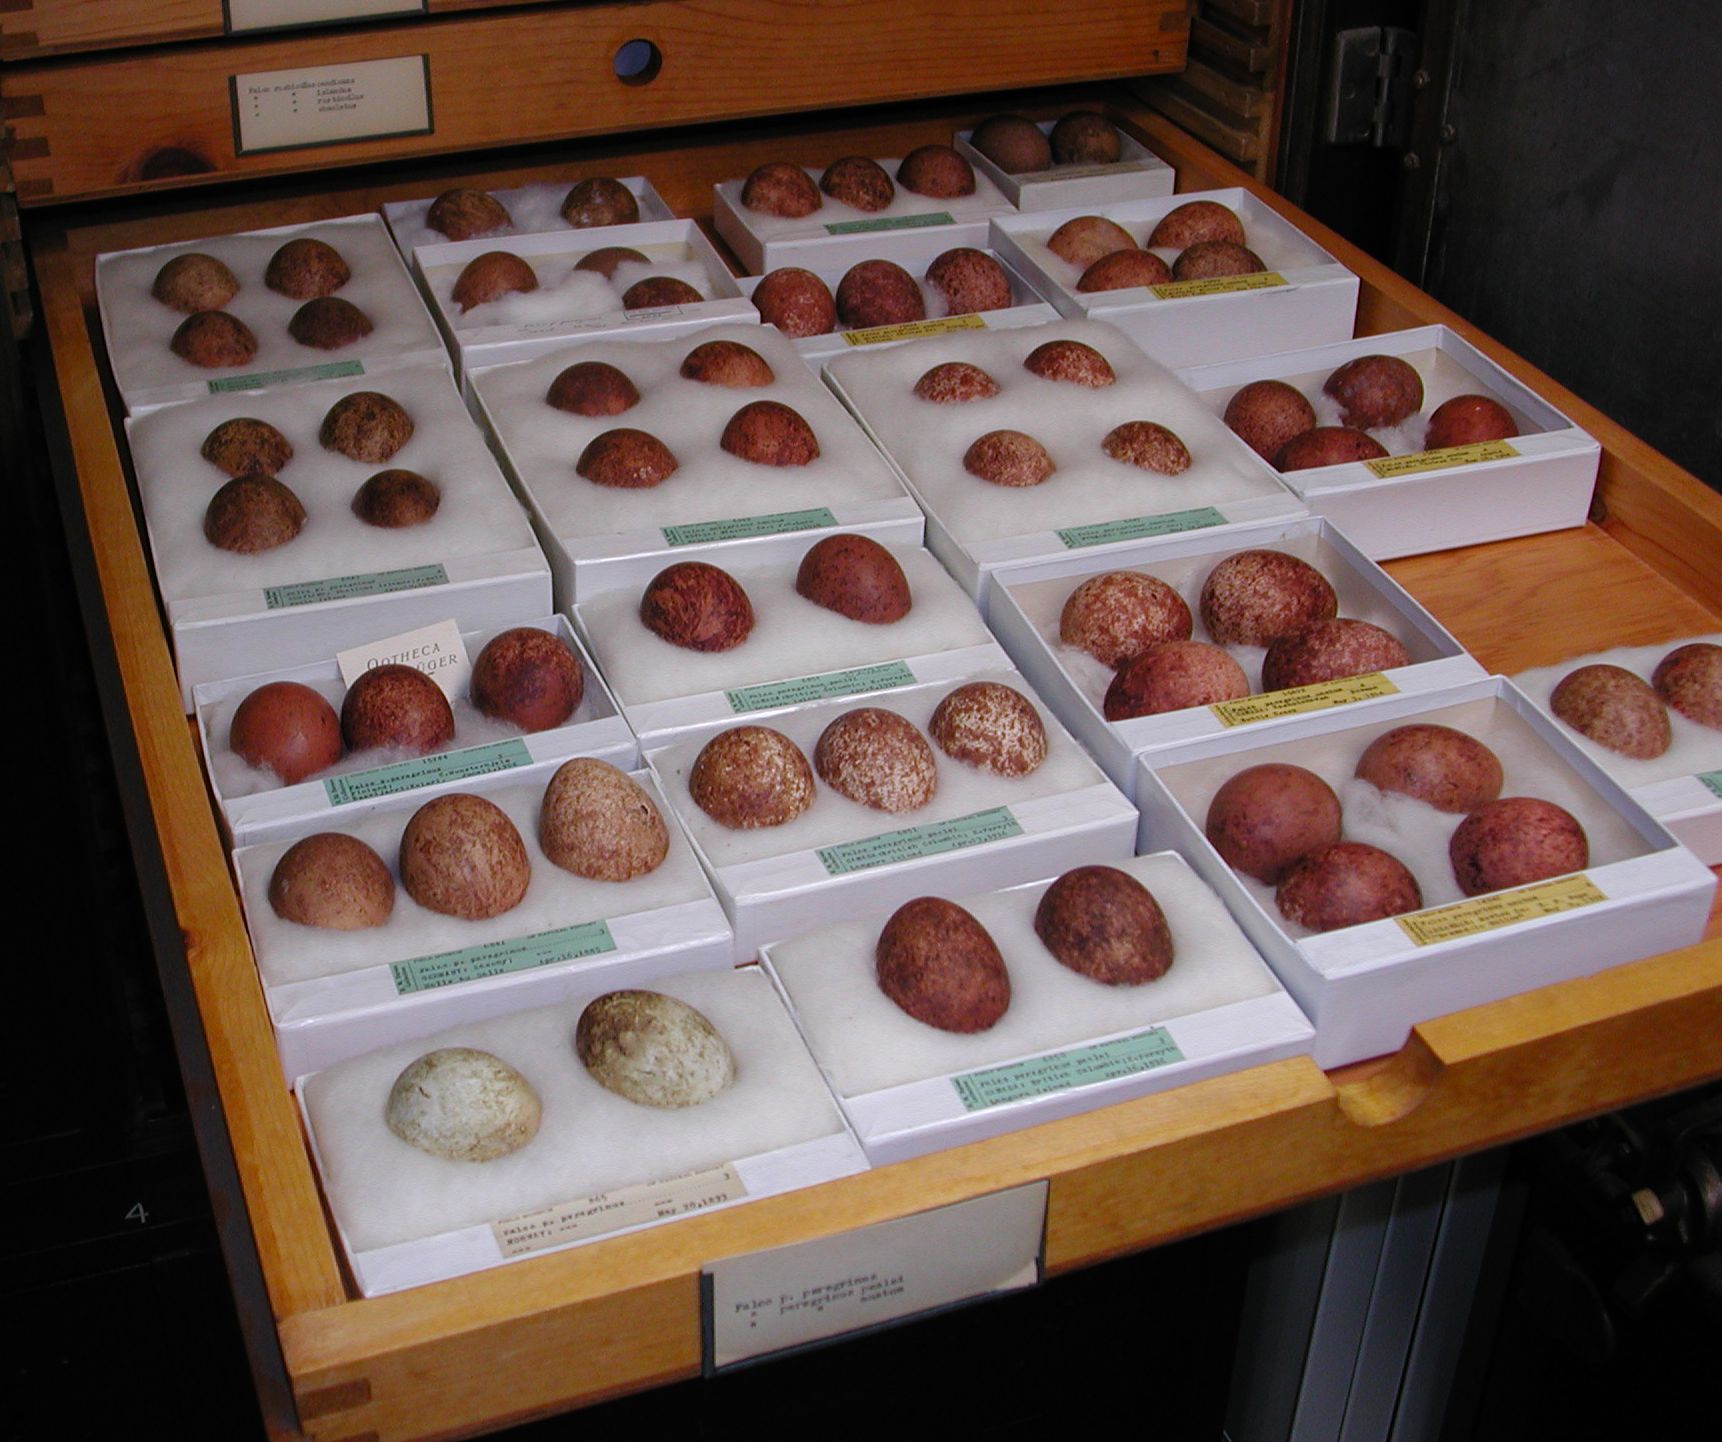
161	118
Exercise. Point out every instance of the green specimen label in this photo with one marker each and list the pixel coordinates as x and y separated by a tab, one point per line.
497	958
1712	779
1168	523
818	688
1124	1056
934	839
426	771
891	222
345	588
740	528
263	380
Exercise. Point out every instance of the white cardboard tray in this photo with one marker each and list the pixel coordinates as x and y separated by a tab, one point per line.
1137	173
535	210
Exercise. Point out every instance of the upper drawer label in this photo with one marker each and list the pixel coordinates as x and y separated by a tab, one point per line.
332	103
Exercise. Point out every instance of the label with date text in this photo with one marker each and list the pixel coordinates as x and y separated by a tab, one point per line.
345	588
913	329
1296	700
426	771
1218	285
1499	908
1439	460
607	1212
1123	1056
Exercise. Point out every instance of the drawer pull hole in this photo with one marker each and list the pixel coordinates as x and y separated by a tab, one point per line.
637	62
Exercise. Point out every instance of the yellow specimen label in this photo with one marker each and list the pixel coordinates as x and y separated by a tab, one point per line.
1218	284
1390	466
913	329
1501	908
1295	700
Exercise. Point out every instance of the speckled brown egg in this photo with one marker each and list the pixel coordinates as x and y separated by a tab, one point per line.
607	258
600	201
194	282
396	498
528	678
855	180
1346	884
856	577
1084	137
1446	768
1120	614
366	426
1195	221
1147	446
329	323
876	759
286	728
592	388
652	1049
1615	709
1689	678
749	777
1173	676
1070	362
626	459
970	281
598	822
727	363
1123	270
253	513
937	171
781	189
1012	143
1267	414
698	607
1515	841
462	856
247	444
1084	239
954	383
333	881
1375	390
491	276
463	213
396	706
306	268
1008	458
659	290
1211	259
1104	924
989	725
769	433
463	1105
879	292
1328	650
1252	598
1328	446
213	339
1468	420
796	301
939	964
1263	818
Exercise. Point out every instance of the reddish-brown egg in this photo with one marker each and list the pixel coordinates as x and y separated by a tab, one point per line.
858	181
1267	414
1515	841
781	189
751	776
936	171
956	382
1124	269
769	433
1120	614
796	301
1346	884
856	577
286	728
1106	925
593	388
879	292
1195	221
1375	390
697	606
1254	597
626	459
396	706
600	201
528	678
1008	458
1263	818
1173	676
939	964
1071	362
1328	650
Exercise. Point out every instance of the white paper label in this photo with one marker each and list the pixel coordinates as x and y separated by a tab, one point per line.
283	14
364	100
437	650
794	1295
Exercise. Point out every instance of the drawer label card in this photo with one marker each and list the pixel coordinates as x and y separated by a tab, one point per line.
298	375
1296	700
1123	1056
1218	285
606	1212
741	528
246	15
934	839
346	588
1136	528
1501	908
882	677
498	958
913	329
891	222
1387	467
1712	779
427	771
331	104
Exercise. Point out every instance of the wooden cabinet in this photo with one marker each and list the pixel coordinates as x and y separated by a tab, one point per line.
623	1314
